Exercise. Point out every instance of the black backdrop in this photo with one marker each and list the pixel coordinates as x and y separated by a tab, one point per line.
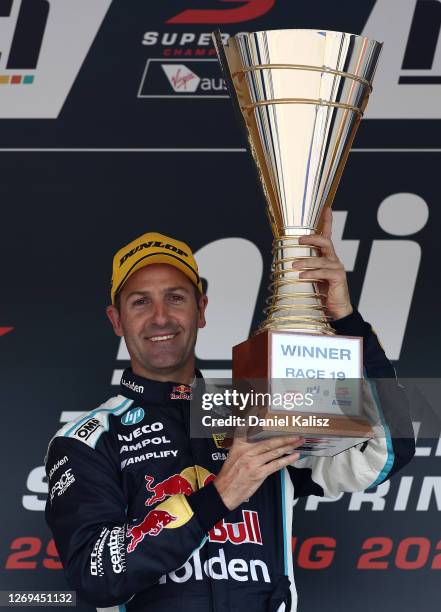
100	147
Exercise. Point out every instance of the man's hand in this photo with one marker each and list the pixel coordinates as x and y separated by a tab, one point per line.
327	270
249	463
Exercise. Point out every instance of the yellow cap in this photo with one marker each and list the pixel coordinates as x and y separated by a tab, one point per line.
152	248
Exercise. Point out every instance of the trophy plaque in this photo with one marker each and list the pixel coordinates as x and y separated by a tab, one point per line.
300	96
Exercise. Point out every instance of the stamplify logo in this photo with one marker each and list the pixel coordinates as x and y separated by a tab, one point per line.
194	78
43	44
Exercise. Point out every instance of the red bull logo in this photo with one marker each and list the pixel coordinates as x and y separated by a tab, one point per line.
170	486
181	392
182	389
246	531
174	511
152	525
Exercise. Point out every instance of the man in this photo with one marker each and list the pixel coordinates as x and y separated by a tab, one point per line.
146	517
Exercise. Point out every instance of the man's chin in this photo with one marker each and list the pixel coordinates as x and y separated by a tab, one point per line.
163	366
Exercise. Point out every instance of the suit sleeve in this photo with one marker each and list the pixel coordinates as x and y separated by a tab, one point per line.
106	559
370	463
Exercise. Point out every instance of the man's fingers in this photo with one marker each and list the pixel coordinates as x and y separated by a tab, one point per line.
327	223
335	274
271	444
316	262
278	464
277	453
325	244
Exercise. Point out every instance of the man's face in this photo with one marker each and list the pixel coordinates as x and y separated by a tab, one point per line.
159	317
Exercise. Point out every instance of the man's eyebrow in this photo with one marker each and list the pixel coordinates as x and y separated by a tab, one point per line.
166	290
177	288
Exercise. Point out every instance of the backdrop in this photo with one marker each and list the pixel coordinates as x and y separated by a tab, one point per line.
114	121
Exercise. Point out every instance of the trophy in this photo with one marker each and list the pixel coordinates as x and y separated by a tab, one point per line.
300	96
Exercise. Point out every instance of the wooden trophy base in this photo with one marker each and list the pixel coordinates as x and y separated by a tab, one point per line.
273	360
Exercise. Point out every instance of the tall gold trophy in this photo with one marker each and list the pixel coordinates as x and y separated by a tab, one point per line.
300	94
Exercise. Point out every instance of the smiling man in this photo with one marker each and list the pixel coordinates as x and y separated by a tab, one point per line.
159	312
145	517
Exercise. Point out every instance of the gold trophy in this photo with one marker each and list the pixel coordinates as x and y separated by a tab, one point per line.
300	95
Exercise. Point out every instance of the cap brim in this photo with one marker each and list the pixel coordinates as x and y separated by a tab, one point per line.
161	258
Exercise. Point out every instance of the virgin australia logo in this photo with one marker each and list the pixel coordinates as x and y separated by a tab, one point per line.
181	78
193	78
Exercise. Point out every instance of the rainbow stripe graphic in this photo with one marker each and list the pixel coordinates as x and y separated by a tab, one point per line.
16	79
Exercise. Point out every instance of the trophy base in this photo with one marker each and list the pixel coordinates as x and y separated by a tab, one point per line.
326	436
323	372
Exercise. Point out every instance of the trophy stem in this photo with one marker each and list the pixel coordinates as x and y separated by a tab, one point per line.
294	304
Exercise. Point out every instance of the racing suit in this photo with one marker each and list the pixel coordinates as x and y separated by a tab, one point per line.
139	524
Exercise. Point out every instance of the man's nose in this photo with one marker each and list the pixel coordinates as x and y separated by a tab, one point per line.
160	314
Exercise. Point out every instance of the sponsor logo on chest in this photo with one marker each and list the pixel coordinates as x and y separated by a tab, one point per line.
246	531
181	392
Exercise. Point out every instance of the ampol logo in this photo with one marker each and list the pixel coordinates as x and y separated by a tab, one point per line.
194	78
41	52
133	416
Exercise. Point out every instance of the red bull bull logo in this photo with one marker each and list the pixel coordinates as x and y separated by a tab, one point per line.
170	486
152	525
246	531
174	511
182	392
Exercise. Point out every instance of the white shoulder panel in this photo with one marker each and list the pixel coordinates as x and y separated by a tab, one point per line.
89	426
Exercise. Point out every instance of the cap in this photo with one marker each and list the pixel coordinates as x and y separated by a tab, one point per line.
153	248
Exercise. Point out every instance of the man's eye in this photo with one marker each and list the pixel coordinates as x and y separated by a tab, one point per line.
139	302
176	298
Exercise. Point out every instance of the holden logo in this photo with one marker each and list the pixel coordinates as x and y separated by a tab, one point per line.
181	78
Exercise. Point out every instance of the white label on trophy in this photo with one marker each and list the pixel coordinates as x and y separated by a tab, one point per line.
328	368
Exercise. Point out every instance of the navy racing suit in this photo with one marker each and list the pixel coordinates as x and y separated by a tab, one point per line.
139	524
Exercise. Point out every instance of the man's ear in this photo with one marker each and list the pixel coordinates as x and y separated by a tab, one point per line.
115	319
202	305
